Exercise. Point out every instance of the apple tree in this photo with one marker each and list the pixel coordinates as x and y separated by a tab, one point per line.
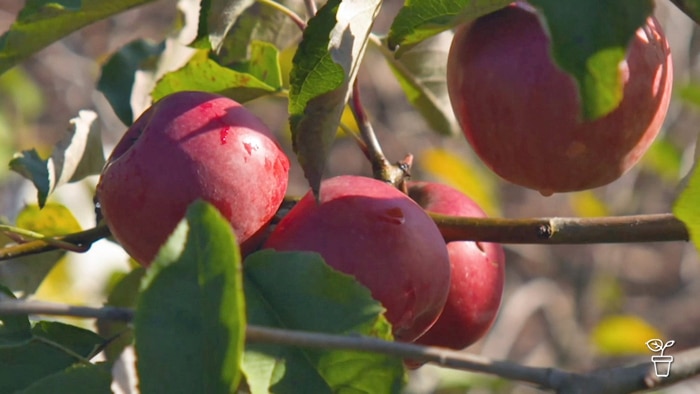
295	196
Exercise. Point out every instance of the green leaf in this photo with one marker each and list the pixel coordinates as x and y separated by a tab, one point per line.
25	274
84	379
42	22
77	155
189	325
14	329
687	207
119	73
295	290
323	72
216	18
204	74
260	22
125	295
52	347
422	19
421	72
589	41
263	64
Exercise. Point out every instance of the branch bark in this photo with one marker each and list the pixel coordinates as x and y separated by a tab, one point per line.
625	379
614	229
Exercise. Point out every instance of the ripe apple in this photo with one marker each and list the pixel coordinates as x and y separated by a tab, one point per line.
478	270
189	146
369	229
521	113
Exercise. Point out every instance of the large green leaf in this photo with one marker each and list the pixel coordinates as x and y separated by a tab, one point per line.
189	325
295	290
42	22
323	71
204	74
84	379
51	348
589	41
124	294
422	19
421	72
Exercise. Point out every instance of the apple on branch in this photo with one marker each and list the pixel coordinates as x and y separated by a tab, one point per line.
477	276
189	146
522	114
369	229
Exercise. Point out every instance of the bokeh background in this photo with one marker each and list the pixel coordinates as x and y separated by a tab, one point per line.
573	307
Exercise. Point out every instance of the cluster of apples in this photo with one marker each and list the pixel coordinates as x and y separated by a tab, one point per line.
196	145
517	109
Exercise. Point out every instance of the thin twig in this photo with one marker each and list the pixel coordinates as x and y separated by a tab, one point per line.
311	8
382	169
614	380
286	11
81	240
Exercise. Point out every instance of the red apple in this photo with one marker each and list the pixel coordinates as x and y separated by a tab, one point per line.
189	146
521	113
478	270
369	229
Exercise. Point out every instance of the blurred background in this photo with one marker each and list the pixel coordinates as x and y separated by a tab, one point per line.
573	307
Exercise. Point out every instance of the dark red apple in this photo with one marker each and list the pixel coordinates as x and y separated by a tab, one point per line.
478	271
369	229
522	114
189	146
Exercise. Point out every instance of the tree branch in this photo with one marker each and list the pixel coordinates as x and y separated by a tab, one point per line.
613	229
81	242
615	380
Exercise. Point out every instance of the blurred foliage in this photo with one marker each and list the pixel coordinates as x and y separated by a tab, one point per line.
587	204
664	159
458	172
623	335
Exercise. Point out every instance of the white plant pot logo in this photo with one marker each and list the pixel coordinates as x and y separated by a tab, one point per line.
662	363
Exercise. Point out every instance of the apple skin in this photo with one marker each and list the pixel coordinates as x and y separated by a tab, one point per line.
369	229
189	146
478	273
521	113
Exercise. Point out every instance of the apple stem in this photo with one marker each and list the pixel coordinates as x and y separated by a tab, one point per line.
382	169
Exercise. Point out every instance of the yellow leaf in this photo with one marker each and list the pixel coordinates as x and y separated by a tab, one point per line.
623	335
53	219
587	204
458	172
